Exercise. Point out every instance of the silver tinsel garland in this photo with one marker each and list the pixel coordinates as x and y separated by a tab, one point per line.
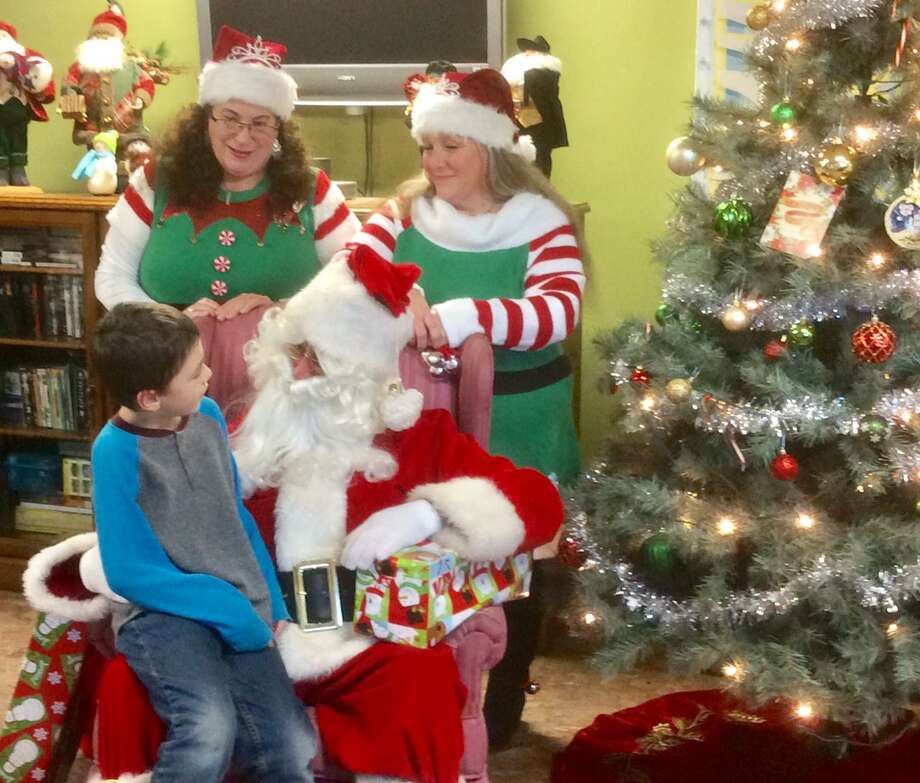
811	15
886	591
779	313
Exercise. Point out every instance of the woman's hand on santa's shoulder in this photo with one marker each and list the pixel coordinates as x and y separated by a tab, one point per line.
201	307
239	305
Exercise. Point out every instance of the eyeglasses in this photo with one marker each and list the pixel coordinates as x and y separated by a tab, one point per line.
261	128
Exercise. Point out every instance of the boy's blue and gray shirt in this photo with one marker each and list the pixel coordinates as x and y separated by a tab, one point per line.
174	534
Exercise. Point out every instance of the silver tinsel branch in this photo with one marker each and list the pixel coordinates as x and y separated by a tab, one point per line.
887	591
778	313
811	15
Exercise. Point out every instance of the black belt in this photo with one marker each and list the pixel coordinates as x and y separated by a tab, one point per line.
319	594
520	381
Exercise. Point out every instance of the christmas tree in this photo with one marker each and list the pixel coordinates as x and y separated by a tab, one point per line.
757	509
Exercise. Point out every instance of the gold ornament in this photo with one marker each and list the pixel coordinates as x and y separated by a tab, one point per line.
835	163
678	390
736	318
759	17
684	157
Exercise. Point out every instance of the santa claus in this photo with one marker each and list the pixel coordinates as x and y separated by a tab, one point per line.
116	89
25	84
344	468
359	472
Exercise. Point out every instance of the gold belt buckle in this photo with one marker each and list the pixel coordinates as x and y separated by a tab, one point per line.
300	595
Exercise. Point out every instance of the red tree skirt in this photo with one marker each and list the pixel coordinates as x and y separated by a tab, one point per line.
706	737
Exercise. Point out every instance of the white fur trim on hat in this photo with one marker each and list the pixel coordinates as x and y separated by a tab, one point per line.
341	320
479	522
43	600
434	112
252	83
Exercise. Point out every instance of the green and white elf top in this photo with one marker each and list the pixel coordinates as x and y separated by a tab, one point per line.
517	277
154	252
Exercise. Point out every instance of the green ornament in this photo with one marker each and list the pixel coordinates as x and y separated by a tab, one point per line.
874	428
802	334
657	553
664	313
733	218
782	113
695	325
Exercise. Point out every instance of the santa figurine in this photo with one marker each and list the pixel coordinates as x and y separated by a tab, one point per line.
534	75
25	84
112	89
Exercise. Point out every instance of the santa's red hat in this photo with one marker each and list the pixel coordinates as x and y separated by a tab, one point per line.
354	314
477	105
247	69
110	22
8	28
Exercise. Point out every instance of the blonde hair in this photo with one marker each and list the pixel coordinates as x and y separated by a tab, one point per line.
507	174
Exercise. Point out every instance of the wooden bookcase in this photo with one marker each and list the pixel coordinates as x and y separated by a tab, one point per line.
84	214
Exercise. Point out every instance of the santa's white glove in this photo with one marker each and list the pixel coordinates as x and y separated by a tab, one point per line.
389	530
93	577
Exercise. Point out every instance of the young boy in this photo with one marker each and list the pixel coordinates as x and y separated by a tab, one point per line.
178	544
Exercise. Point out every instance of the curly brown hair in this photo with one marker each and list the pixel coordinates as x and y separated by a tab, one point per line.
186	162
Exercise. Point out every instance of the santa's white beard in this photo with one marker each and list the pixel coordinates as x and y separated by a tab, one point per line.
101	55
298	429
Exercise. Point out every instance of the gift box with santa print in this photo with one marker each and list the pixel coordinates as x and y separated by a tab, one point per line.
420	594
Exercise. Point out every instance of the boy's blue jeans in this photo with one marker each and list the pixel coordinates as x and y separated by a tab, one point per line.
219	705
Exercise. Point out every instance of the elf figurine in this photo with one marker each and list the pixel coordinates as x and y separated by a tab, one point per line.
99	165
25	84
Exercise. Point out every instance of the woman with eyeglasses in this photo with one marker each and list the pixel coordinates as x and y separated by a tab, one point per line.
228	218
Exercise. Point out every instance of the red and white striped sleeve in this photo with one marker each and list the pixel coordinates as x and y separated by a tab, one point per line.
334	224
547	313
381	231
129	229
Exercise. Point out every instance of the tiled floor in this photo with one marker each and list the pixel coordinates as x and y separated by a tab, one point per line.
570	696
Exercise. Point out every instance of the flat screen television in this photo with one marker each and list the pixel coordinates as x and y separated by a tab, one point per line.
359	52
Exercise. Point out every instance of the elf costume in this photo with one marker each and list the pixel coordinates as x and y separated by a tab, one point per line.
157	252
515	276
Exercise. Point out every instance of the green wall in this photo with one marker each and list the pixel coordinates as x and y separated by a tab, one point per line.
627	76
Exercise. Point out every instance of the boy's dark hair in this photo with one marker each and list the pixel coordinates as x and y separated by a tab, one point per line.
138	346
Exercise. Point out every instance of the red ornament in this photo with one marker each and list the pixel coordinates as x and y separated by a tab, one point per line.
874	342
784	467
774	350
570	554
639	375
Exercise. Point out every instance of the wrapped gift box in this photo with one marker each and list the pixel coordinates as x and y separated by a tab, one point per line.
420	594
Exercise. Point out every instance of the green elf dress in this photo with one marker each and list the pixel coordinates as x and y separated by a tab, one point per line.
515	276
156	252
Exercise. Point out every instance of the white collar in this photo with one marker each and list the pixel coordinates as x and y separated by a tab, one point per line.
520	219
